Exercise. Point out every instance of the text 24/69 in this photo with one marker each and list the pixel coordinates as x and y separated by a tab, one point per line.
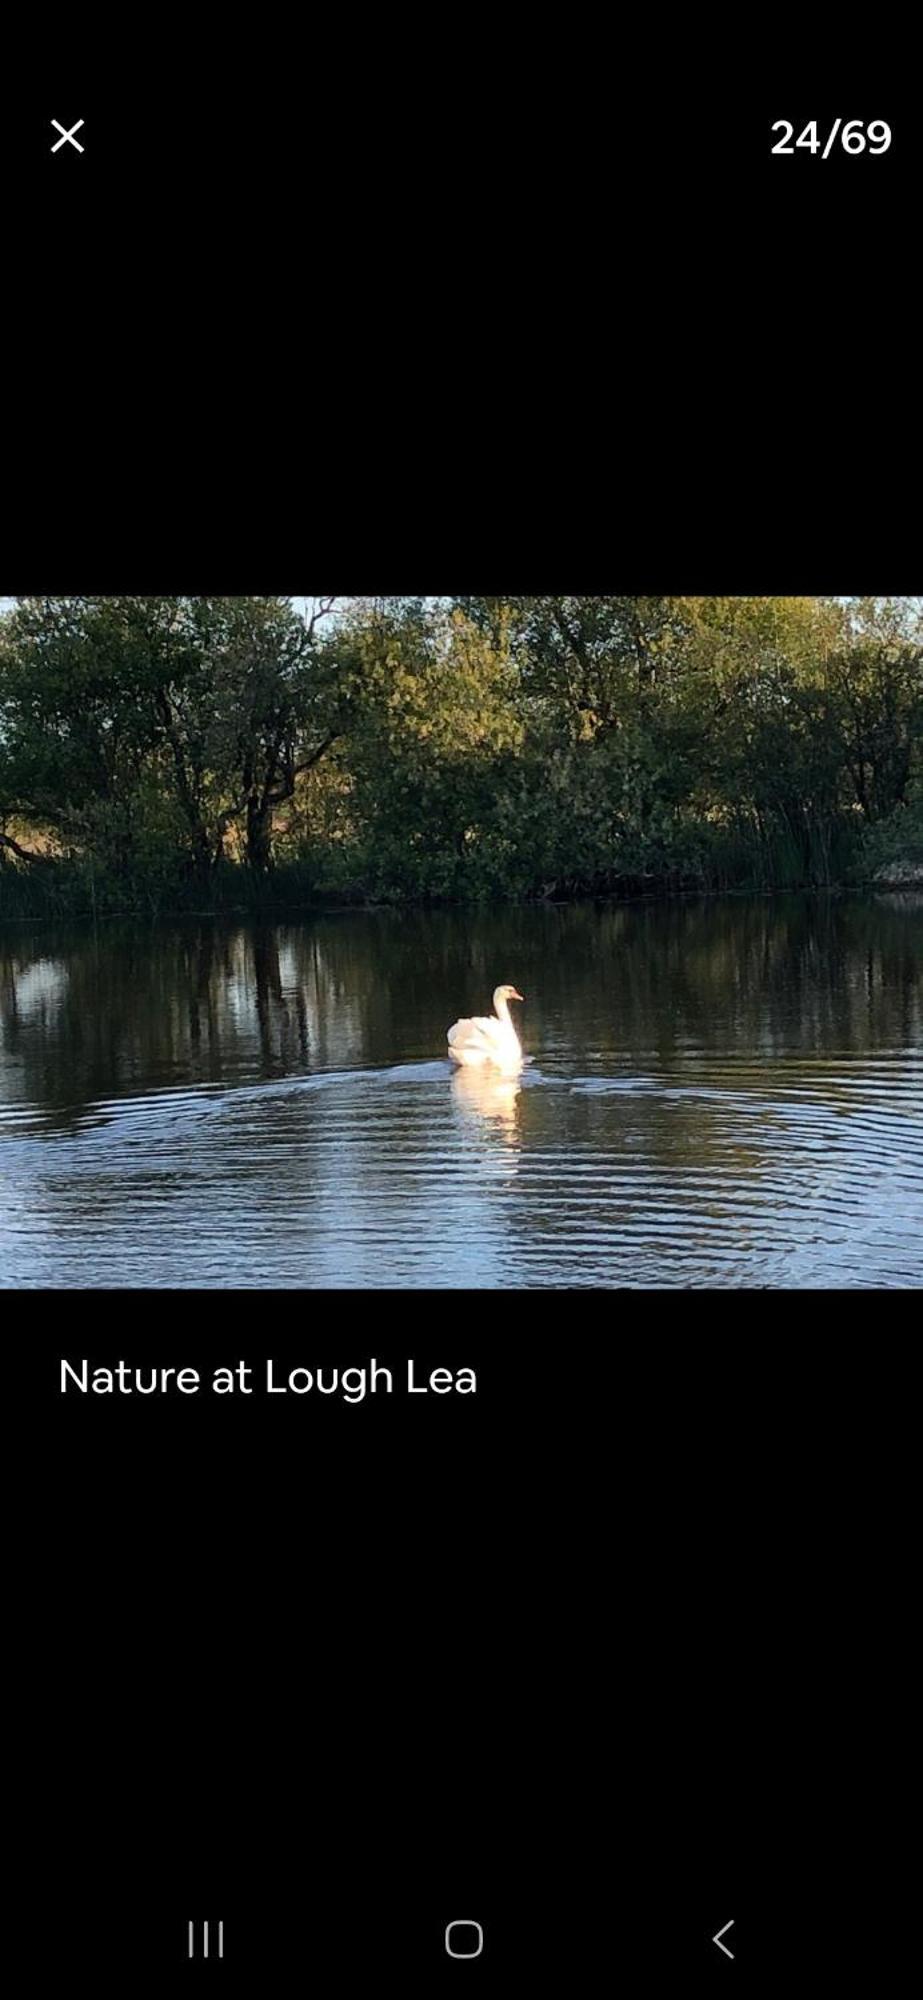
854	137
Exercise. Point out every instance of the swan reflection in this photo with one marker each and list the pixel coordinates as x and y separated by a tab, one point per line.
490	1098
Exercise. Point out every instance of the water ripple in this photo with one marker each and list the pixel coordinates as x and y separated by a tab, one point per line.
800	1173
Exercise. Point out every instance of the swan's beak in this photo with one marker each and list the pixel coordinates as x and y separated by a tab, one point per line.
514	995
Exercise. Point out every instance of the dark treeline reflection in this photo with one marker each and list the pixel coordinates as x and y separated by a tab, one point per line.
95	1014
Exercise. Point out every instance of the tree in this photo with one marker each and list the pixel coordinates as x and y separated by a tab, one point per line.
470	747
278	700
125	717
437	728
877	679
78	719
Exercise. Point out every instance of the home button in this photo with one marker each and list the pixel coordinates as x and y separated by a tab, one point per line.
464	1939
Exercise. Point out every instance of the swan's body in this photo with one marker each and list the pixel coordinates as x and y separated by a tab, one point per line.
488	1038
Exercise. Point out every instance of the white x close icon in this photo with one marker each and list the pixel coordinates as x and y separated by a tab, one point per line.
67	136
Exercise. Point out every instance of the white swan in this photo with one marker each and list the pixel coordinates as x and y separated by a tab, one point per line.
486	1039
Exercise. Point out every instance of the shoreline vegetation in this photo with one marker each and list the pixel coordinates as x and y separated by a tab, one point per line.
164	757
898	880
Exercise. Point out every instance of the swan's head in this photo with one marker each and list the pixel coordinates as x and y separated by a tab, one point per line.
506	993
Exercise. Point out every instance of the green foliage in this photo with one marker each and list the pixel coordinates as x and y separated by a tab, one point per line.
892	848
164	753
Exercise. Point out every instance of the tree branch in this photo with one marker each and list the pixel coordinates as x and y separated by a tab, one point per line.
267	796
24	853
325	605
70	822
296	770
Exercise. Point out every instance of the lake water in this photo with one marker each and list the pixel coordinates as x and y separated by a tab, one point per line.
719	1093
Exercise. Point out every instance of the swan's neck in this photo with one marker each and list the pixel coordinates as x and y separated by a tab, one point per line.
503	1012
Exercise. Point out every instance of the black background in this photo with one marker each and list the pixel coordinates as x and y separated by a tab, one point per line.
619	1649
603	1657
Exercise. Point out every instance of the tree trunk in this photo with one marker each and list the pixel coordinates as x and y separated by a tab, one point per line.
259	835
